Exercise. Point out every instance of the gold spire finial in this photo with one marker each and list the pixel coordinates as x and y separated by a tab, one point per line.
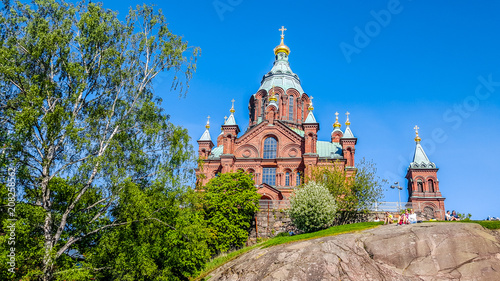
232	106
282	47
273	96
417	138
311	108
208	122
347	122
336	124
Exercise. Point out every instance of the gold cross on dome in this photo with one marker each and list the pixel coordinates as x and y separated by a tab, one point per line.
208	117
282	29
225	118
336	116
232	101
416	129
347	113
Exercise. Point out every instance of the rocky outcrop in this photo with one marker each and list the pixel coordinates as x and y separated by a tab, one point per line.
427	251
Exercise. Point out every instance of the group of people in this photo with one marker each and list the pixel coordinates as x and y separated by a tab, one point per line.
451	217
411	217
406	218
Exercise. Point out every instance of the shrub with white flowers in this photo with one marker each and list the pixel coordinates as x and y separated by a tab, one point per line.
312	207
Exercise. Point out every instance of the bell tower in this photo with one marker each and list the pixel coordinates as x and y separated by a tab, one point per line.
423	184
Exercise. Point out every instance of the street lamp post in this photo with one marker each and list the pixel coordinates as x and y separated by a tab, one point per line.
396	185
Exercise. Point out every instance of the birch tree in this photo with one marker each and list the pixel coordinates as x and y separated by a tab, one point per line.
79	117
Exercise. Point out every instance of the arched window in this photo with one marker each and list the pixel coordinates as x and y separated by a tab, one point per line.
252	174
269	176
420	186
297	180
270	148
431	185
290	108
287	179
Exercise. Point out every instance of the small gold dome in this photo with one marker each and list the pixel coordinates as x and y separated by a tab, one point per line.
282	48
337	123
208	122
347	122
273	98
417	138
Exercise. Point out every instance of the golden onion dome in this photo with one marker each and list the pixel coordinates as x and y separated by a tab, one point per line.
273	98
282	47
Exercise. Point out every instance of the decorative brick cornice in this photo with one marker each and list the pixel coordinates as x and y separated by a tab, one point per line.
281	128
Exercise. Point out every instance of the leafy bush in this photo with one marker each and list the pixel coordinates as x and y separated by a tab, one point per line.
230	201
354	193
312	207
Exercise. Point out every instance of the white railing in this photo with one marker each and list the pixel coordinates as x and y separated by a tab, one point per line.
390	206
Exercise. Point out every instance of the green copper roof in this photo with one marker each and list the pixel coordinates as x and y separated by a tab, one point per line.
281	75
300	132
216	152
310	118
348	133
230	120
206	135
420	159
324	149
327	149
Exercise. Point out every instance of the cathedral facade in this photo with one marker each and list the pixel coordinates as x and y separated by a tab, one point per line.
280	145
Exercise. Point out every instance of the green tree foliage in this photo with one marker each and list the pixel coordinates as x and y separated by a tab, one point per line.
172	248
93	150
355	194
230	202
312	207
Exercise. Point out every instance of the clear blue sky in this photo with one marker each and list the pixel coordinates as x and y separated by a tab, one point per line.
422	66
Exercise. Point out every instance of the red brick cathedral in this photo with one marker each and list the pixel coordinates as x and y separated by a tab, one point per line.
281	143
281	146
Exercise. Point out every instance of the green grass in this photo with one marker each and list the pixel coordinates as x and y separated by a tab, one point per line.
335	230
488	224
278	240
